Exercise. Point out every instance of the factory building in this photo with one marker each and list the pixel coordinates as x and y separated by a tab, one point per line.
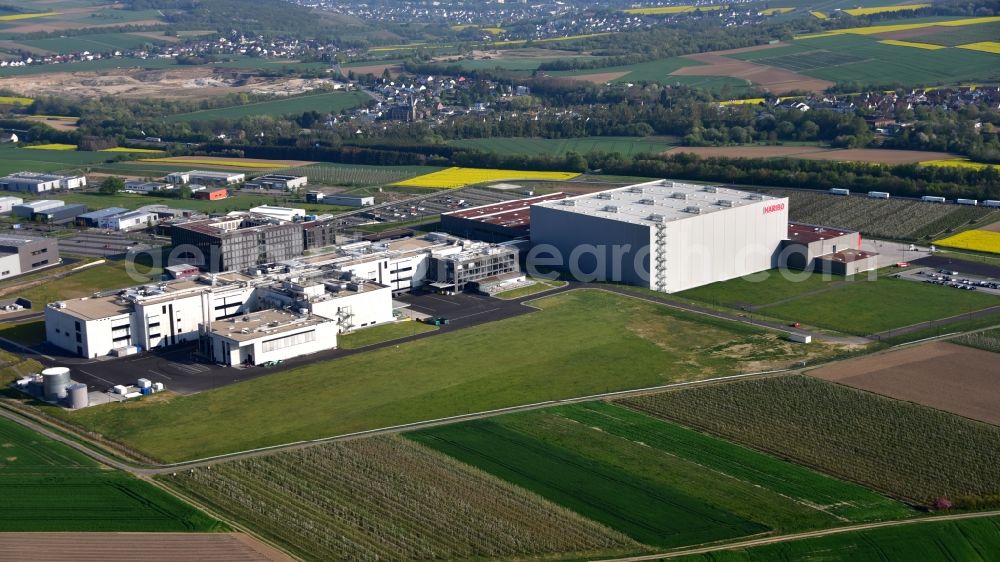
267	336
124	222
132	186
60	215
26	254
237	243
7	204
495	222
277	182
824	249
453	271
342	200
664	235
93	218
211	194
280	213
28	209
33	182
204	309
205	178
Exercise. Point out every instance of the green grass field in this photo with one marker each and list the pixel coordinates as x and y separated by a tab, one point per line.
963	35
971	540
846	58
109	275
899	448
855	306
659	71
46	486
333	102
97	43
574	347
657	482
626	146
379	334
25	333
34	160
540	286
103	64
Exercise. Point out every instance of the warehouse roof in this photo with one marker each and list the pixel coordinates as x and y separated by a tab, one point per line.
103	213
656	202
808	233
510	214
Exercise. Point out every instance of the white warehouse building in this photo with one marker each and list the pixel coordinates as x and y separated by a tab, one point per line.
664	235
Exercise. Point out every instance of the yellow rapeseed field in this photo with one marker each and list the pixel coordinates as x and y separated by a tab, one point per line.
53	147
927	46
452	178
15	17
15	100
884	9
876	29
958	163
227	163
819	15
984	46
135	150
977	240
773	11
657	10
748	101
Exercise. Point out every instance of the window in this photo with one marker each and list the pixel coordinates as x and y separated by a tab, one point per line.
78	338
39	263
78	326
288	341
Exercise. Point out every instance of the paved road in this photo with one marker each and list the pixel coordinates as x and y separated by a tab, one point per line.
807	535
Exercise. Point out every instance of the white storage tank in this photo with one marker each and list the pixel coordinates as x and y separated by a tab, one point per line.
54	382
78	396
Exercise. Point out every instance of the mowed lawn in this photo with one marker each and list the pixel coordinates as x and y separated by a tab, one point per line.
970	540
332	102
581	343
47	486
659	483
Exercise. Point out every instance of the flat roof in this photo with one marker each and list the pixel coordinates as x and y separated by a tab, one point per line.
263	324
809	233
102	213
95	308
15	240
848	256
510	214
210	174
281	177
656	201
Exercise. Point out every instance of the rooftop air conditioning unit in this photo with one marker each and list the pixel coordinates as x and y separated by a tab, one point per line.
711	189
569	202
755	197
657	218
635	189
611	209
679	195
693	210
724	203
604	196
647	201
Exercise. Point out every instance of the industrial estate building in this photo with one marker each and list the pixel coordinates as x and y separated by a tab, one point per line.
33	182
664	235
205	178
238	243
28	209
825	249
277	182
7	204
25	254
495	222
342	200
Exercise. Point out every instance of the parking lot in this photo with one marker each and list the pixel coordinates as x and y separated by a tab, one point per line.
426	206
952	279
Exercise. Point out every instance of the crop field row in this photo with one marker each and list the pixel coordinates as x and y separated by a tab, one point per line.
878	29
984	46
884	9
99	43
988	340
810	60
46	486
357	175
454	177
387	498
900	448
333	102
626	146
599	332
963	35
660	10
612	464
27	15
969	540
912	44
898	219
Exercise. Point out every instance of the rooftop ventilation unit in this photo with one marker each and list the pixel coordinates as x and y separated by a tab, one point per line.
755	197
569	202
711	189
635	189
611	209
604	196
724	203
647	202
667	183
693	210
657	218
679	195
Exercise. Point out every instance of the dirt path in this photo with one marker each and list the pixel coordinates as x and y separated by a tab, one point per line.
775	80
149	547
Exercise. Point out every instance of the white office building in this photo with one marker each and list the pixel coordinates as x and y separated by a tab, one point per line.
205	178
664	235
268	336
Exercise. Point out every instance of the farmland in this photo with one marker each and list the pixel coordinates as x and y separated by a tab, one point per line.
451	178
895	219
879	29
884	9
626	146
333	102
223	162
988	340
99	43
941	375
37	160
387	498
932	541
598	331
609	463
46	486
903	449
357	175
662	10
977	240
15	100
